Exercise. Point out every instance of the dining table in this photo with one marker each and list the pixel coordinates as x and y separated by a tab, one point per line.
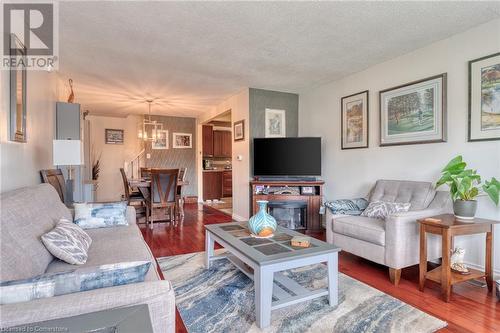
144	186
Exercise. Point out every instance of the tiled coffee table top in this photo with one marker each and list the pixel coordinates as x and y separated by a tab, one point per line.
267	250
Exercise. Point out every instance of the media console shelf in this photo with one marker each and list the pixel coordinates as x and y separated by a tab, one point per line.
290	201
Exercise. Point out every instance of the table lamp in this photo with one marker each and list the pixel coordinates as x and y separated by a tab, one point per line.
68	153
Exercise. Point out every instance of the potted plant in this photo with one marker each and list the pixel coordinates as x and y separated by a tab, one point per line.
465	185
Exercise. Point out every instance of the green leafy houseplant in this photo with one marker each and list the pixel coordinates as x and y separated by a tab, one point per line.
465	184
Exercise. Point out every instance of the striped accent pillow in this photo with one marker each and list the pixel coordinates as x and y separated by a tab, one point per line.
68	242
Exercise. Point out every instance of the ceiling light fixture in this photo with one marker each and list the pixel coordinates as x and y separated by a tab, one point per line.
142	133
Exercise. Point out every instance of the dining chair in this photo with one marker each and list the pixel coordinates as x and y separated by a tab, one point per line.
163	193
145	172
180	201
130	195
55	178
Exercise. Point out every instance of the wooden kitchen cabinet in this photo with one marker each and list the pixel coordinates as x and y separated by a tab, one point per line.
208	141
212	185
226	144
222	143
227	184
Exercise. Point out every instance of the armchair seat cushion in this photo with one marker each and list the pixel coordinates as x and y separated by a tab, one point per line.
363	228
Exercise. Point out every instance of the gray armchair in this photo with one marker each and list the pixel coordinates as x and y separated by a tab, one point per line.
393	242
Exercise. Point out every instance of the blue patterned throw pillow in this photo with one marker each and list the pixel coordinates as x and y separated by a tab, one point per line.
347	206
101	215
81	279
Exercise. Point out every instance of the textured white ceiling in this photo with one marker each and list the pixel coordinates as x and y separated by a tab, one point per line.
191	55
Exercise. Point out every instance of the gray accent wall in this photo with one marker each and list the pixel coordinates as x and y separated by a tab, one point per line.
260	100
176	158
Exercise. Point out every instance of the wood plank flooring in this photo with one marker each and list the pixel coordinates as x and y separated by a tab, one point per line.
471	308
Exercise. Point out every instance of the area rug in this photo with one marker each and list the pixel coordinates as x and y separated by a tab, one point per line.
221	299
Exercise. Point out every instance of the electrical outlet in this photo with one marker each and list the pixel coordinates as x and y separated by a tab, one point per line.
148	156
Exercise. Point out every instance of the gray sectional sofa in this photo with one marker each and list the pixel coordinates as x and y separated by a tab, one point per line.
28	213
393	242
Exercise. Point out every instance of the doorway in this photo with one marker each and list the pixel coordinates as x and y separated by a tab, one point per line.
217	172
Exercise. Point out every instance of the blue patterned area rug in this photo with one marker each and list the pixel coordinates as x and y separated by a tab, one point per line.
221	299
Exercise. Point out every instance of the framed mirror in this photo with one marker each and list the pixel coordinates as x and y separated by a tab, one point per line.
18	92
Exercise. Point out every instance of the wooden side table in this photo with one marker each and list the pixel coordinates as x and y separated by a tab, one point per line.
448	226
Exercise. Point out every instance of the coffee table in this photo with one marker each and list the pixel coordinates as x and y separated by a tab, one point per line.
262	260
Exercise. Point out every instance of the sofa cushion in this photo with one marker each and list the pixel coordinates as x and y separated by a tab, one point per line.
112	245
68	242
419	194
26	214
365	228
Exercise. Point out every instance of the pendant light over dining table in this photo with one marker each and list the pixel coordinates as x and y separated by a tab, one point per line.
142	133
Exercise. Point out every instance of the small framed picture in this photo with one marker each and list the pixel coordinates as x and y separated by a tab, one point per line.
414	112
354	120
161	141
239	130
275	123
308	190
114	136
484	98
182	140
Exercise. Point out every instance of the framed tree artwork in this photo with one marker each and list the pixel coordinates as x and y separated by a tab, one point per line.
182	140
275	122
484	98
354	121
161	140
414	112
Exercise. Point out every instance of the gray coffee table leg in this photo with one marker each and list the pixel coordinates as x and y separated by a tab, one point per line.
333	279
263	282
209	248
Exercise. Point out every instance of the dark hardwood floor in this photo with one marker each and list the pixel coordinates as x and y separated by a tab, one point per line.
471	308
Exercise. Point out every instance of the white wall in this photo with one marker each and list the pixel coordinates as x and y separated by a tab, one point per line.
113	157
20	163
350	173
239	106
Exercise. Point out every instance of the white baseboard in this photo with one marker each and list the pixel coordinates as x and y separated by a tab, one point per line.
496	272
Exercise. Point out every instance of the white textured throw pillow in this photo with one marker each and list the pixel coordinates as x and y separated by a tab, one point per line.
381	209
68	242
101	215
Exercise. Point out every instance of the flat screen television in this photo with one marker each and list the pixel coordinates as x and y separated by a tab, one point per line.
287	157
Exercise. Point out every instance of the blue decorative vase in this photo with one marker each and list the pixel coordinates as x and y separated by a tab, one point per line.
262	224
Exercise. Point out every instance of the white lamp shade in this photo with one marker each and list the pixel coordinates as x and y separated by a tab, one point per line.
67	152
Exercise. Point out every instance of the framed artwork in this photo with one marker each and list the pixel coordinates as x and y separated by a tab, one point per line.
161	141
239	130
182	140
414	112
17	93
354	121
275	123
484	98
114	136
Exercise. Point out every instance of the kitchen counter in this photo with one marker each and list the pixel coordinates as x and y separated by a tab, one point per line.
217	170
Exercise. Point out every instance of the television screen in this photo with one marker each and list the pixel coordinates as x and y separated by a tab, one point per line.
287	157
